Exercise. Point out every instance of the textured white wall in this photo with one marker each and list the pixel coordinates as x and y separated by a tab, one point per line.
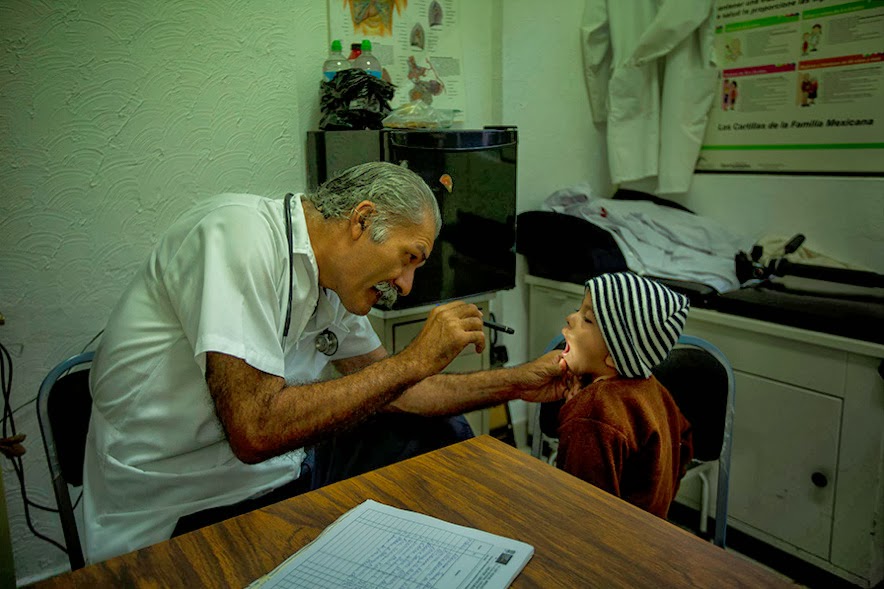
115	118
545	96
841	217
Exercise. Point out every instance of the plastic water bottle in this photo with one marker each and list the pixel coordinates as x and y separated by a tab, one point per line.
367	61
335	62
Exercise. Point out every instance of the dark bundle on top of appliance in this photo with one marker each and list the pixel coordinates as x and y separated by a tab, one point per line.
354	99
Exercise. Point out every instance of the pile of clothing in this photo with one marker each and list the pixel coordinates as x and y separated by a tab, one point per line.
660	241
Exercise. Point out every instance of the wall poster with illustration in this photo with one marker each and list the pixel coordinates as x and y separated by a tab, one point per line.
418	43
801	87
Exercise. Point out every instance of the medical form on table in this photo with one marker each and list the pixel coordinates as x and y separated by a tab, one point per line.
375	545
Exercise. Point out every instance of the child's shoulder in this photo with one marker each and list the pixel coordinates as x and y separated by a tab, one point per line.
623	395
610	399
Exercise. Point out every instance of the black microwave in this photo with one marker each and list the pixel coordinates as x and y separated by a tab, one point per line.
475	252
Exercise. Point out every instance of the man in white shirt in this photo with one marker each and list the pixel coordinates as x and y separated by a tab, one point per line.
204	386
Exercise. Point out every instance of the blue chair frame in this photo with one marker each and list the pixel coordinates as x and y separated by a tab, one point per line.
59	483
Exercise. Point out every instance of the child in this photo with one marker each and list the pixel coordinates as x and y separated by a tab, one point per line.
620	429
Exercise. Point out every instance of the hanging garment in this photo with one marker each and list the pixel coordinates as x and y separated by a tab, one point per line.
651	77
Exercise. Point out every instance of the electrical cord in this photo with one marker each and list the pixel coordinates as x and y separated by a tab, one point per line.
18	466
9	426
29	401
89	343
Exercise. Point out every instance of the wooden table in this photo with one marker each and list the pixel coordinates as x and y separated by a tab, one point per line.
582	536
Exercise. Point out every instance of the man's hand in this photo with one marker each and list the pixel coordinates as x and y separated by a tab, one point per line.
449	329
546	378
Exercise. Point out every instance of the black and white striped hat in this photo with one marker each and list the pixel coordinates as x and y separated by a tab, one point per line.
640	320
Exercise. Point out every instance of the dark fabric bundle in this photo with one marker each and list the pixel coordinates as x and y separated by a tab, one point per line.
354	99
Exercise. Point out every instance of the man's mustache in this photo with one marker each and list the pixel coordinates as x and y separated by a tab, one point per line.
389	294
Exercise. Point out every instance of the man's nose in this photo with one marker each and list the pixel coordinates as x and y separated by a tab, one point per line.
405	282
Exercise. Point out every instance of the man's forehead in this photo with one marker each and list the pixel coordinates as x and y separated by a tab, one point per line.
421	236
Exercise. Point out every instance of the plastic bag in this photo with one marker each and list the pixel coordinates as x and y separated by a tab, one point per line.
417	114
354	99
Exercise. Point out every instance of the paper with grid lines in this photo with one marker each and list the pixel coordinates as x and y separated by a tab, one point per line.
377	546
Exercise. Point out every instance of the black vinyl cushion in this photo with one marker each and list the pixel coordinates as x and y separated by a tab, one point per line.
698	383
854	316
566	248
70	407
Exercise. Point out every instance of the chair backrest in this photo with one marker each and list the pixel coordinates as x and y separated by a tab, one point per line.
707	400
64	406
698	382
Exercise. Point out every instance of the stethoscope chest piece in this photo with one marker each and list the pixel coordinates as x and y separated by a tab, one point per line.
327	342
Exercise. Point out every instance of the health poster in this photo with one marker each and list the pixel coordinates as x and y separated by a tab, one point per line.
801	87
417	43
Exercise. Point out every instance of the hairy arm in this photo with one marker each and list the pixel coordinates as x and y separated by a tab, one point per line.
357	363
263	417
448	394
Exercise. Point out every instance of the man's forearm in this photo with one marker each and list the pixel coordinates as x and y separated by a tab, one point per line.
450	394
264	418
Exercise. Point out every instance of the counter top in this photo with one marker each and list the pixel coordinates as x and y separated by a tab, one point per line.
852	326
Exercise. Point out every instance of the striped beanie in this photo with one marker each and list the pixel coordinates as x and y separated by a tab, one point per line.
639	319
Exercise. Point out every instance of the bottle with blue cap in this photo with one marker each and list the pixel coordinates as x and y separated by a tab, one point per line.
335	62
367	61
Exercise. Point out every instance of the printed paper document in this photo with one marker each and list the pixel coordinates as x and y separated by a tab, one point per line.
375	545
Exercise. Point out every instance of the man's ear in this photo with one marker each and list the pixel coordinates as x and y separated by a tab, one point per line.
609	362
360	218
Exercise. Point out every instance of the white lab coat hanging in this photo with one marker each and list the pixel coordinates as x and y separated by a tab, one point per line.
651	77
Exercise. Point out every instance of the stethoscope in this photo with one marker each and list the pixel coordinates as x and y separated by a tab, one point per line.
326	342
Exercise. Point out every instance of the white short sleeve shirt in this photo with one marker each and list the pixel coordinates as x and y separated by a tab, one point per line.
217	281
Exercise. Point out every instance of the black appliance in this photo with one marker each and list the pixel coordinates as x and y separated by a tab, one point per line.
475	251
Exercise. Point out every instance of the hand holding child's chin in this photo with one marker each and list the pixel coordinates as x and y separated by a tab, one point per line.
542	380
572	383
567	383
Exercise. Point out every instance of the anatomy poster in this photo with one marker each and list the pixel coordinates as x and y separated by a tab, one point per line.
417	43
801	87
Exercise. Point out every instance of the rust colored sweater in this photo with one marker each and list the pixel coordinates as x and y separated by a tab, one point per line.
627	437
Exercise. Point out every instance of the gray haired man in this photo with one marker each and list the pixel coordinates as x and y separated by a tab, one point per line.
205	384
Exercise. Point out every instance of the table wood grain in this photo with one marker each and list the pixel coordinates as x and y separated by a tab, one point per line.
582	536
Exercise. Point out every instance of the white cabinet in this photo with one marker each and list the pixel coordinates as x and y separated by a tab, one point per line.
397	328
784	486
807	470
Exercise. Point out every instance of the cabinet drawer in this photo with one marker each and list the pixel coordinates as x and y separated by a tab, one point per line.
802	364
467	361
